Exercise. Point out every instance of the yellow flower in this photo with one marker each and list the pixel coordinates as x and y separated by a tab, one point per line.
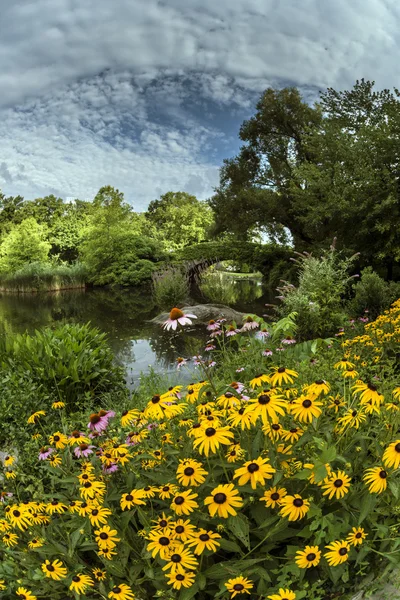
338	553
58	405
121	592
98	515
258	380
129	416
376	479
56	507
190	472
24	594
267	406
357	536
180	578
336	485
160	542
336	402
80	583
10	539
240	418
273	496
19	517
344	364
352	418
59	440
283	595
204	540
135	497
3	585
55	570
320	386
92	489
309	557
256	471
391	456
294	507
10	474
35	543
183	530
99	574
239	585
235	453
106	537
368	392
34	418
8	461
292	435
166	491
282	375
223	501
305	408
54	460
179	559
210	438
184	503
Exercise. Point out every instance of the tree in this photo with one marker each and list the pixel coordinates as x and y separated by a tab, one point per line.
331	169
180	219
25	243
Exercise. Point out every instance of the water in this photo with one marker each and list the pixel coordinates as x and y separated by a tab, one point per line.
124	316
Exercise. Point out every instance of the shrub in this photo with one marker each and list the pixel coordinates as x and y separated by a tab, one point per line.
372	294
38	276
170	287
25	243
293	487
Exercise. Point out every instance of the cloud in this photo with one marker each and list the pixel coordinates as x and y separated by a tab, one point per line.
147	95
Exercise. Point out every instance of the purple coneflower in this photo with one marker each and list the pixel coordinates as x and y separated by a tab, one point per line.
216	333
177	316
151	426
288	341
267	352
181	362
209	347
5	495
240	369
236	385
263	333
110	468
98	422
250	324
210	363
279	349
83	450
213	325
197	360
45	452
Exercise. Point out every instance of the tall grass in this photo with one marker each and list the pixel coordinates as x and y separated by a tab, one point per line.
37	277
170	287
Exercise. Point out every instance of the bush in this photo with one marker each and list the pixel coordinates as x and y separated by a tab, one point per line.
293	487
38	276
372	294
170	287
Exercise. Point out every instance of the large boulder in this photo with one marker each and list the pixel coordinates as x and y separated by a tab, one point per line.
205	313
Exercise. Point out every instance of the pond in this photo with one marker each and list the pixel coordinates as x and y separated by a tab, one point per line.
124	316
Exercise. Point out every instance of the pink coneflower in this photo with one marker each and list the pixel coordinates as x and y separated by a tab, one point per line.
177	316
151	426
216	333
236	385
109	414
288	341
240	369
5	495
181	362
244	397
209	347
45	452
97	422
213	325
83	450
249	324
232	330
263	333
279	349
267	352
197	360
109	468
210	363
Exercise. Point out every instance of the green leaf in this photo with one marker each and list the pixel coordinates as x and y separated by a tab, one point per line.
239	526
229	546
328	455
201	581
367	504
188	593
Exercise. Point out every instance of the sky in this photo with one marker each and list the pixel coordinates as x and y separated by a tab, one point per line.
148	96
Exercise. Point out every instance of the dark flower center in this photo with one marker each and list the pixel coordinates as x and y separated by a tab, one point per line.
104	535
253	467
275	496
297	502
180	577
87	485
179	529
275	427
358	535
129	498
188	471
50	568
264	399
319	382
179	500
372	387
354	414
155	399
116	590
166	488
176	558
147	489
94	419
220	498
204	537
241	411
382	474
76	578
338	483
95	512
397	447
281	370
343	551
306	403
337	402
310	557
228	395
164	541
16	513
56	438
210	431
238	587
83	447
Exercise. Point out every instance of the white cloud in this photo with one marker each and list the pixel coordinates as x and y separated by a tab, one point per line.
99	92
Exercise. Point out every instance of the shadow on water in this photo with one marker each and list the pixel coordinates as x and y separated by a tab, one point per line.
124	316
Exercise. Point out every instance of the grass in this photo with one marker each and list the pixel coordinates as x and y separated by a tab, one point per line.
39	277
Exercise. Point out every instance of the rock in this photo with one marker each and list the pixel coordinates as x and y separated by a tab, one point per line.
205	313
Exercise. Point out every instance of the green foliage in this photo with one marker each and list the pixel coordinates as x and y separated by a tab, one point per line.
372	294
25	244
318	298
38	276
224	288
180	219
170	287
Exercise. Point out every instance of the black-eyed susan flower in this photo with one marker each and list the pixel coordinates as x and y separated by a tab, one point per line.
240	418
19	517
168	490
99	574
367	391
10	539
336	485
183	530
239	585
163	521
343	364
58	405
150	491
99	515
204	540
34	418
3	586
190	472
305	408
268	406
356	536
338	552
54	460
10	474
259	380
350	374
223	501
160	542
210	438
121	592
309	557
134	498
283	595
23	594
318	388
80	583
376	479
8	460
59	440
54	570
107	553
180	559
55	506
254	471
273	496
129	416
352	419
282	375
273	430
391	456
106	537
228	401
35	543
92	489
184	502
235	453
292	435
180	578
294	507
77	437
336	402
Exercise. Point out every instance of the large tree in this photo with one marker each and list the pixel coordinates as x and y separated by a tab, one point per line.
331	169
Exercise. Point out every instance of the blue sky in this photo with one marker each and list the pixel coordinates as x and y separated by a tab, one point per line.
149	95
